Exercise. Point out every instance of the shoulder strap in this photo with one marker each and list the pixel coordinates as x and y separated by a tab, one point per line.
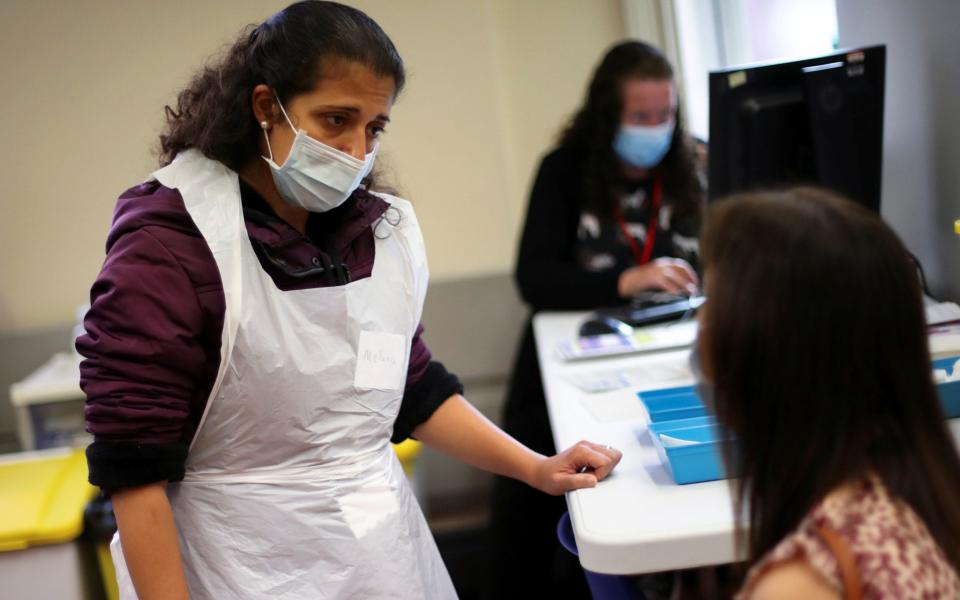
844	557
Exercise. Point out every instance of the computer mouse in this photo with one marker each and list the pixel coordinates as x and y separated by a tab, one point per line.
600	325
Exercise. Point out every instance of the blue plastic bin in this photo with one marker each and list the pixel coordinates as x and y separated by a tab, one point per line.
673	403
949	392
699	461
679	413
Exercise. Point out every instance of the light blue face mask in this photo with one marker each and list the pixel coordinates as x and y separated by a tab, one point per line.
314	175
643	146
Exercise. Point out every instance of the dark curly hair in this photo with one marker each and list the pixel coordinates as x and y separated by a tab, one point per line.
592	130
288	52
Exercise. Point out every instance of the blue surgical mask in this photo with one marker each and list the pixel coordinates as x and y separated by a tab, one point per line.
704	388
643	146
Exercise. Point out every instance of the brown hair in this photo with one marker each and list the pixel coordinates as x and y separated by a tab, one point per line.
816	343
592	130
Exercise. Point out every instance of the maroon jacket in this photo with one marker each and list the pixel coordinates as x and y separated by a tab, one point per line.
152	341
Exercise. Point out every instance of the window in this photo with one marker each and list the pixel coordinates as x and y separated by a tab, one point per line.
701	35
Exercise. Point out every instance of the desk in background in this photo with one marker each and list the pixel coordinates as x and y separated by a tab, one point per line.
638	520
49	405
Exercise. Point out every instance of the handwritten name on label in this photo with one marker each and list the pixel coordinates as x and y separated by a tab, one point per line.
380	361
378	357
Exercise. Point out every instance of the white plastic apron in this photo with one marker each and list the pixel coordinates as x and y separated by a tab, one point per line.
292	489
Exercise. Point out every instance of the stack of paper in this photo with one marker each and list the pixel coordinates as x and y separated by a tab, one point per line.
648	339
942	312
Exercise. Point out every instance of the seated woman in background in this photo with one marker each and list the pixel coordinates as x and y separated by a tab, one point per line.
613	212
813	353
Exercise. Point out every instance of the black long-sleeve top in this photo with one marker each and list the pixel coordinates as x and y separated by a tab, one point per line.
570	259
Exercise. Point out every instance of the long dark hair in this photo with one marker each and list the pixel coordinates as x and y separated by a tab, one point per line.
816	341
287	52
593	128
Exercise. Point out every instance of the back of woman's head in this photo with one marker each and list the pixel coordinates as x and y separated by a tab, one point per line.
592	130
816	342
292	51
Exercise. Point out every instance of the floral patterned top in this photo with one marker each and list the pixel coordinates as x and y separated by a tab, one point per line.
895	555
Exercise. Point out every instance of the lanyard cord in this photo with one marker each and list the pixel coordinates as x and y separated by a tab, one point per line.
335	271
339	268
642	257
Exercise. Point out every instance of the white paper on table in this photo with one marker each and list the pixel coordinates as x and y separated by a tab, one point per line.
662	373
599	381
669	441
940	375
942	312
944	340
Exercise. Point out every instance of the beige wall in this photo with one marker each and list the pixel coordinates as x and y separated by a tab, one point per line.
490	82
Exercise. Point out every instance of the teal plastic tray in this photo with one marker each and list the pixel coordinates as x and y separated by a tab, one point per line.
674	403
949	392
699	457
678	413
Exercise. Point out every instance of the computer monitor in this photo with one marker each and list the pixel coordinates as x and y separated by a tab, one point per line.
817	121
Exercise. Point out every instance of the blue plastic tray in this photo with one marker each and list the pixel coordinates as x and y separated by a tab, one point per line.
679	413
949	392
673	403
700	461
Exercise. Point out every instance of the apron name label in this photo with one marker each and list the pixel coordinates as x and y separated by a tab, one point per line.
380	361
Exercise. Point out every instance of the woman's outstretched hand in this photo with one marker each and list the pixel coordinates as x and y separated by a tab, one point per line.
460	430
579	466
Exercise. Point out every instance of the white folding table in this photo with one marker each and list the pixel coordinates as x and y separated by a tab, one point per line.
637	520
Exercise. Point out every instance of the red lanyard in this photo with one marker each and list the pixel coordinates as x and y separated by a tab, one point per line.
643	257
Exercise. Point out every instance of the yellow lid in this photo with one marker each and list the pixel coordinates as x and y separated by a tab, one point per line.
956	227
42	497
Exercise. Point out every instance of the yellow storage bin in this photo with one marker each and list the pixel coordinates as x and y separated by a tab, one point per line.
42	499
407	451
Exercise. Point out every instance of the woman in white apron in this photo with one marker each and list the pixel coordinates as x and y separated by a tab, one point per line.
290	488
